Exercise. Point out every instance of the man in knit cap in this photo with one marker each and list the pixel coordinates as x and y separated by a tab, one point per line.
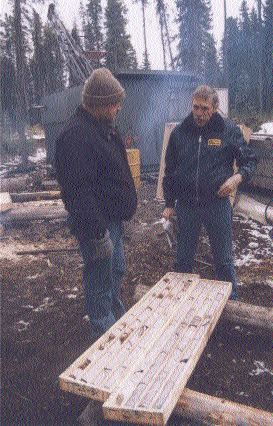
99	193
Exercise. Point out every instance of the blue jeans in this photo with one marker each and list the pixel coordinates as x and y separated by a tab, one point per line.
217	220
102	281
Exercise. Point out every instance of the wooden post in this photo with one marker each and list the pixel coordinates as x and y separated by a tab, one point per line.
5	202
168	129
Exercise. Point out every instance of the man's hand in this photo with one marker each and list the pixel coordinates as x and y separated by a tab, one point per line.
229	185
168	213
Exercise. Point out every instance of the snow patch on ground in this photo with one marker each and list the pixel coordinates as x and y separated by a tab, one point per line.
270	282
265	129
260	245
71	296
38	156
260	369
247	259
28	307
33	277
9	247
46	304
22	325
242	394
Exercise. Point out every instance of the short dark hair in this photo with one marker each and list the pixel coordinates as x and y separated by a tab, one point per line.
207	93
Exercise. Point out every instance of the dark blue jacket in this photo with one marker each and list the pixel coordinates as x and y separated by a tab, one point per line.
94	175
200	159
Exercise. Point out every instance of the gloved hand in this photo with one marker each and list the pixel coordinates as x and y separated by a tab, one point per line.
100	248
170	227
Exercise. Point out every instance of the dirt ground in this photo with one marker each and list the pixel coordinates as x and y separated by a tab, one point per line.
44	327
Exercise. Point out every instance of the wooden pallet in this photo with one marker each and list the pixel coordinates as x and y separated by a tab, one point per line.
141	365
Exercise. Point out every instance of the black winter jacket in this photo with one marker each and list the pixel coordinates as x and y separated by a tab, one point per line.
200	159
94	175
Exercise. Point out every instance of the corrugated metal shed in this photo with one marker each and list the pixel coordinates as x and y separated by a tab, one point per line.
152	99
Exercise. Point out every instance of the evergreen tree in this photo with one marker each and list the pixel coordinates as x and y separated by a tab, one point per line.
53	63
93	26
75	34
82	12
161	11
19	68
211	67
194	19
254	63
246	99
232	64
7	68
120	52
146	63
244	23
37	62
73	80
21	77
267	58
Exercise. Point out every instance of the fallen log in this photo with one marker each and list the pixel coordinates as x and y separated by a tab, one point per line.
251	208
31	213
14	184
238	312
21	197
50	185
243	313
210	410
202	408
46	251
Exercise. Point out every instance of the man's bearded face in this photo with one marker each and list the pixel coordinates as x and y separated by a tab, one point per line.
202	111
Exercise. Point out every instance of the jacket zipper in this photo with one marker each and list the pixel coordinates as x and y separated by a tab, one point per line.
198	167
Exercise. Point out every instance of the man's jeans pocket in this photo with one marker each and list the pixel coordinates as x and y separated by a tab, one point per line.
97	249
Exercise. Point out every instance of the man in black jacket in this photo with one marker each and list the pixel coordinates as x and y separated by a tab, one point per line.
199	178
99	193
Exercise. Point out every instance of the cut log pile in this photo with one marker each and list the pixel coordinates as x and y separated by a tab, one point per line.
15	214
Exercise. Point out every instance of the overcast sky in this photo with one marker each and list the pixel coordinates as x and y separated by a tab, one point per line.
69	12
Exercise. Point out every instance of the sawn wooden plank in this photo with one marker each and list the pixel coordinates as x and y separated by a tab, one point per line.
150	392
106	363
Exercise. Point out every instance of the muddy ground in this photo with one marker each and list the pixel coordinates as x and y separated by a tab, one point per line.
44	328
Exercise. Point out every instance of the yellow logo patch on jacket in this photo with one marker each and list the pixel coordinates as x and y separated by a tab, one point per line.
214	142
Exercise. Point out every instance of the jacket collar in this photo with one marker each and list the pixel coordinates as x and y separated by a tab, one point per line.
103	125
216	124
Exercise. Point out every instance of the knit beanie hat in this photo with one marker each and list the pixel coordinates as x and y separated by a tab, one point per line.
102	89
